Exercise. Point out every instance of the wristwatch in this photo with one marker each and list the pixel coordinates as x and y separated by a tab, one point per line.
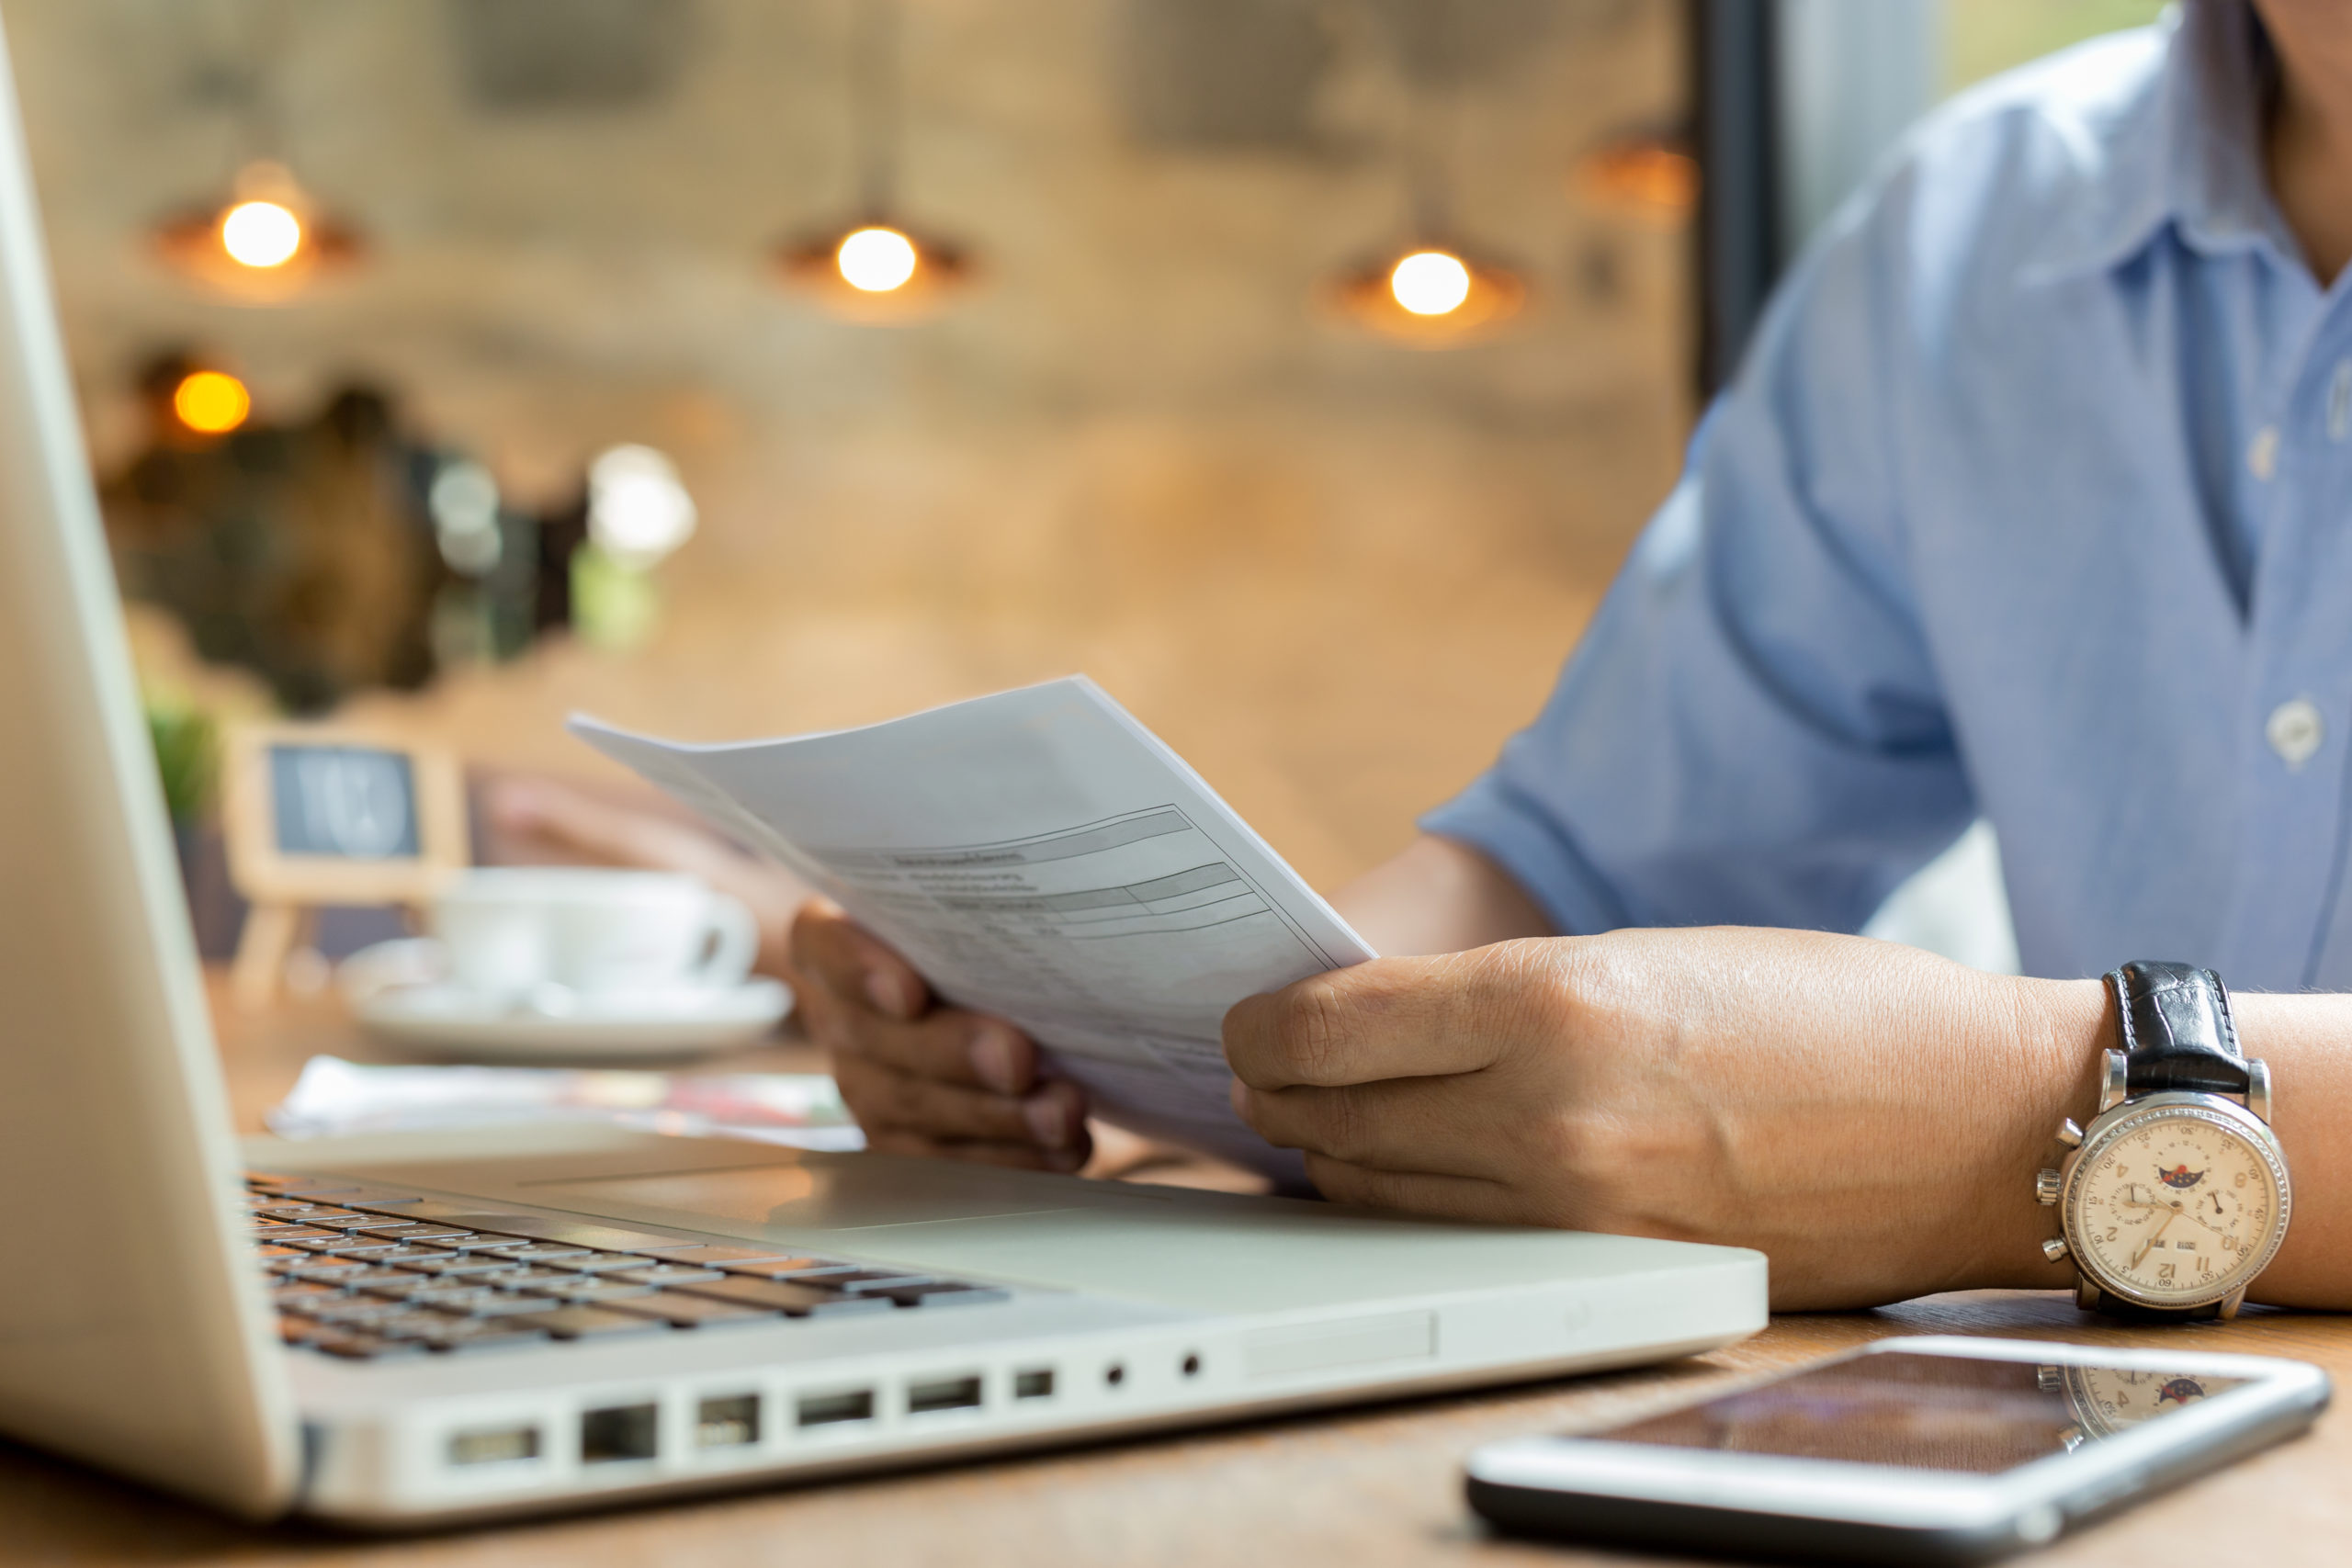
2176	1196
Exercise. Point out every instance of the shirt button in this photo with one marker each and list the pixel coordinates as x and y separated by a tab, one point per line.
2294	731
2262	456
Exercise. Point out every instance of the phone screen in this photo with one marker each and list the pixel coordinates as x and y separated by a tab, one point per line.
1948	1412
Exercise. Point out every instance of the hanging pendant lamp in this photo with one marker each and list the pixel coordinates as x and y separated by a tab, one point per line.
263	244
875	267
265	239
1434	289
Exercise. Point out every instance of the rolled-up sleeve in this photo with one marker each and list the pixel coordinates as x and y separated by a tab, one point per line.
1751	731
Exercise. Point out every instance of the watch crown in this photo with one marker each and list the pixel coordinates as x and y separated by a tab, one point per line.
2054	1248
2045	1188
2070	1134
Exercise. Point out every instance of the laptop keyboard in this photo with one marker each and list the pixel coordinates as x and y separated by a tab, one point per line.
365	1274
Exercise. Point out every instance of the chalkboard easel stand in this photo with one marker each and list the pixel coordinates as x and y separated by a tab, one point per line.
366	820
273	933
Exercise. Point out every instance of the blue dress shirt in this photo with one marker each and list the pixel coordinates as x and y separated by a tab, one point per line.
2032	500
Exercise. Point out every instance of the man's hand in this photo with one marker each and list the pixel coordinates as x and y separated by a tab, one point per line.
922	1077
1868	1115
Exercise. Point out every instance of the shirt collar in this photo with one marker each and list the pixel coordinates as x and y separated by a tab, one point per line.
2188	154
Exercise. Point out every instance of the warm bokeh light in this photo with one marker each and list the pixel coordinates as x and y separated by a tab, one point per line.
639	511
261	233
1430	283
1651	177
210	403
876	259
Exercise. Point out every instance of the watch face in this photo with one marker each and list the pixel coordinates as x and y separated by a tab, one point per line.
2106	1400
2176	1205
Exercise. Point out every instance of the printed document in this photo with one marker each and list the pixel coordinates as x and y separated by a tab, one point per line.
1038	856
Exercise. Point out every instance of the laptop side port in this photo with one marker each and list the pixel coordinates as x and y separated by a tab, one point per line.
494	1445
1036	1383
833	1409
943	1393
623	1432
731	1423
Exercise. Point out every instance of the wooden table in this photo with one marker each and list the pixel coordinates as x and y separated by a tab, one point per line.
1364	1488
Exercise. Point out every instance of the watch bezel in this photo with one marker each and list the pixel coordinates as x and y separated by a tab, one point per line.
2111	1126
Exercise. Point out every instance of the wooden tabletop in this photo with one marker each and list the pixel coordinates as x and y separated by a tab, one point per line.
1366	1488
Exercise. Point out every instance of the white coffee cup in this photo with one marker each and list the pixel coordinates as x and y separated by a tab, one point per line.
512	932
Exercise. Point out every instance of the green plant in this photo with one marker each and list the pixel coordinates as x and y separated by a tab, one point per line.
187	755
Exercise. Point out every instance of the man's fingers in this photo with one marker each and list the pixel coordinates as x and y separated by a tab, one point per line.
1437	1126
949	1045
1414	1192
1393	1018
883	1098
841	955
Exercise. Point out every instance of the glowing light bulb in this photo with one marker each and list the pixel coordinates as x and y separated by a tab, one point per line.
1430	283
876	260
212	403
639	511
261	233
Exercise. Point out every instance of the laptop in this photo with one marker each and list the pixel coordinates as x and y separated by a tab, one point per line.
393	1331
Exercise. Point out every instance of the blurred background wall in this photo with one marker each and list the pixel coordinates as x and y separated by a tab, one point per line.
1332	570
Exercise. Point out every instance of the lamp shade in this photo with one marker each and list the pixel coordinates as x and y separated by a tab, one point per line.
1429	295
263	244
876	271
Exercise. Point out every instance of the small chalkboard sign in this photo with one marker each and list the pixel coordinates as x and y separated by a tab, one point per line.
316	816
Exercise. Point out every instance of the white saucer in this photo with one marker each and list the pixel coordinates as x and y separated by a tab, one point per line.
438	1018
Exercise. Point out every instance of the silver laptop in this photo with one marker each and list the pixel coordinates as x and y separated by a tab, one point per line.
403	1329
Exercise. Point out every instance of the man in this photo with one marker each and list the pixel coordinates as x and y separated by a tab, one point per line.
2033	500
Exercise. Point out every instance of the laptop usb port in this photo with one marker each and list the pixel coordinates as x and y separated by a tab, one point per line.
944	1394
728	1423
833	1409
493	1445
624	1432
1037	1384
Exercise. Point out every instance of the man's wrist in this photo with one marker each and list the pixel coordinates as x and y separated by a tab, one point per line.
2063	1026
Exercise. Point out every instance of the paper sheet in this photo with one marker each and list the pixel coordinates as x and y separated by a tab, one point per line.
333	1098
1039	855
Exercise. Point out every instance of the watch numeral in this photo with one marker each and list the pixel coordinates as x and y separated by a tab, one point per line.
2164	1270
2110	1232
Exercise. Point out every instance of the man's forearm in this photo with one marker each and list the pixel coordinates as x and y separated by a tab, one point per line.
1438	896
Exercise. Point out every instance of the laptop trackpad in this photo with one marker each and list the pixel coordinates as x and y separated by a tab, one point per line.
818	1192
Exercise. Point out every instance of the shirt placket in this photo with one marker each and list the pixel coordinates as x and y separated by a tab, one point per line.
2292	926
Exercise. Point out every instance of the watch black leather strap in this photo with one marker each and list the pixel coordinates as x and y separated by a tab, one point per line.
2177	1033
2112	1306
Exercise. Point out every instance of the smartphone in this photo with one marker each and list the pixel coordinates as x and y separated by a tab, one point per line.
1938	1450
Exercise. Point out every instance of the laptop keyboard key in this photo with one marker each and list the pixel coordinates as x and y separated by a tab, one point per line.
792	1300
728	1257
584	1288
680	1311
365	1347
666	1274
605	1262
480	1333
866	1279
465	1265
789	1267
946	1293
587	1323
545	1251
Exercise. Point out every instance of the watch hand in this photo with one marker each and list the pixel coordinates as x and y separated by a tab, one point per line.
2151	1239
